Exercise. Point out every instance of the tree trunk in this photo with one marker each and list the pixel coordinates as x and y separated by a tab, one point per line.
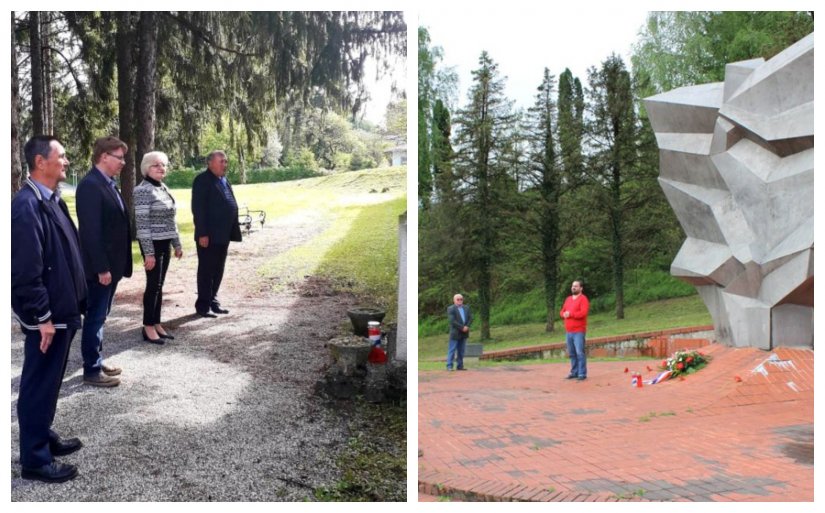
485	280
241	166
551	284
48	90
147	66
16	164
484	293
35	54
618	258
146	83
126	103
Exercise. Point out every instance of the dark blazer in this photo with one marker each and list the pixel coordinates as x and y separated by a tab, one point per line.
47	279
105	233
454	318
214	215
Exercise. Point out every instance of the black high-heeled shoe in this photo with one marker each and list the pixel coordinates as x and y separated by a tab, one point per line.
166	335
158	341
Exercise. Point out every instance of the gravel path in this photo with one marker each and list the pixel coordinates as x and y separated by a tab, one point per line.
226	412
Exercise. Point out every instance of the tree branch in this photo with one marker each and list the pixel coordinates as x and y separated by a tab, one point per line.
203	36
80	88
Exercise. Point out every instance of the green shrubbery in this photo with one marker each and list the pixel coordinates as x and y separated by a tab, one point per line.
182	178
641	286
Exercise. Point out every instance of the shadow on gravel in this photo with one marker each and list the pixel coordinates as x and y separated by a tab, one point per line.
225	412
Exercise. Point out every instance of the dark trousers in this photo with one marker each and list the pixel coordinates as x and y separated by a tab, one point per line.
99	304
153	295
211	261
39	387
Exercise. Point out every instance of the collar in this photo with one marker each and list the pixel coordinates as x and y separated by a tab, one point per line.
105	176
45	192
152	181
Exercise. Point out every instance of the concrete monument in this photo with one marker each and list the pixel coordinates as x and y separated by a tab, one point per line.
737	166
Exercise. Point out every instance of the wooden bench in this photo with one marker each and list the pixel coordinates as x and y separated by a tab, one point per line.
246	217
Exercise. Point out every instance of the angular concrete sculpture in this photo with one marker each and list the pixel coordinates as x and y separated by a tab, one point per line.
737	166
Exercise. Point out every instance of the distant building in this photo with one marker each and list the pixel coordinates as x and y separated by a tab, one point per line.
397	154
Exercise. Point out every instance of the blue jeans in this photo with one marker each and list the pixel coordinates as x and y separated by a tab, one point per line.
456	350
578	359
99	303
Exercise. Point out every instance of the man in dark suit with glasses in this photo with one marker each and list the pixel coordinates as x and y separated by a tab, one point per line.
106	243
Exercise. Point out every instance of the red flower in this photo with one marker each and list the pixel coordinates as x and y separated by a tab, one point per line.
626	370
664	363
648	368
680	366
690	359
737	379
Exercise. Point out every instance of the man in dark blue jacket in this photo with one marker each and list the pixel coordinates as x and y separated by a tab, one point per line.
215	213
460	318
48	295
106	245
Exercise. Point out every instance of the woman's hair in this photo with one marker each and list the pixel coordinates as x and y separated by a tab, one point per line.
152	158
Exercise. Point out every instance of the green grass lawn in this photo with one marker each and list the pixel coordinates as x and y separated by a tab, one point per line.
357	251
668	313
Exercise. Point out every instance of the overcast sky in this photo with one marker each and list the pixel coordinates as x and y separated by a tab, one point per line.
525	41
381	89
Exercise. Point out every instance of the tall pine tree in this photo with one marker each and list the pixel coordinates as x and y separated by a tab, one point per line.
482	129
546	174
612	131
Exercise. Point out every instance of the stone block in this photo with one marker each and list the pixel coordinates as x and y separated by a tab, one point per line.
737	168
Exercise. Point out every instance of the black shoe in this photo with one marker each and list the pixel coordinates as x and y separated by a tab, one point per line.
571	376
582	378
159	341
167	336
460	368
54	472
65	447
206	314
218	310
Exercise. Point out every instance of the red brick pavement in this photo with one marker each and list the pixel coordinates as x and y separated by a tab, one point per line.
741	429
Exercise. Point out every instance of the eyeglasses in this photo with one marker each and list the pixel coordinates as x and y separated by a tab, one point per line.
119	157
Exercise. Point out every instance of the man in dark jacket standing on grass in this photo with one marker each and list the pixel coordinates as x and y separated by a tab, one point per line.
48	296
574	312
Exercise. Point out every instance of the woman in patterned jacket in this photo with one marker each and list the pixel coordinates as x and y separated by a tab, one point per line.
157	234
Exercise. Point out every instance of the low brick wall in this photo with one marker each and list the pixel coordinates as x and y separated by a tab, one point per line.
652	344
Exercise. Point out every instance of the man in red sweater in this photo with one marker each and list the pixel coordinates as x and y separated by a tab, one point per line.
574	313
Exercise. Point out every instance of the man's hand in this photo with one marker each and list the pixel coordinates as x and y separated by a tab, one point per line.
566	314
47	332
178	253
203	241
465	329
104	278
149	263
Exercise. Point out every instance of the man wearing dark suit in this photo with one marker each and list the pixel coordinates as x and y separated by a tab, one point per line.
460	318
48	296
215	213
105	241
